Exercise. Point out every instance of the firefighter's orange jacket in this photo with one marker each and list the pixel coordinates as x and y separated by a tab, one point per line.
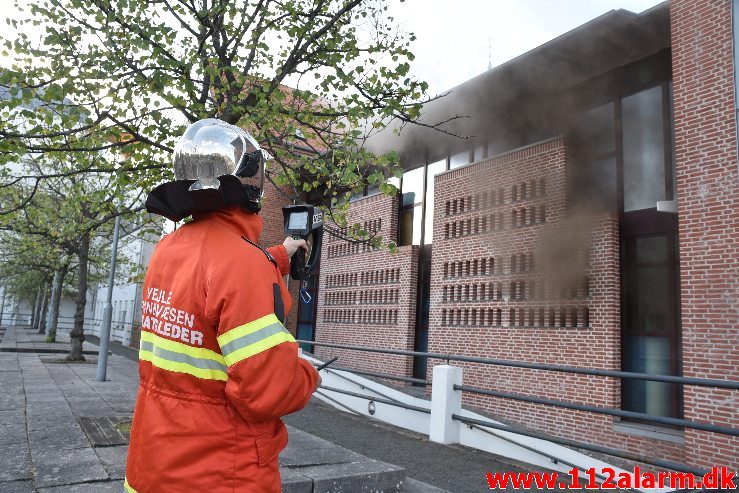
218	368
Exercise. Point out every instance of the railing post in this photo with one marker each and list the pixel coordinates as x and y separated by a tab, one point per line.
445	401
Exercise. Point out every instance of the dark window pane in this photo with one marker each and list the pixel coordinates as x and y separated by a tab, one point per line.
651	249
433	170
413	187
649	331
409	232
645	354
643	150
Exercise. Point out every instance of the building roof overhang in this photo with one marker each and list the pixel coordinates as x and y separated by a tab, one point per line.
490	101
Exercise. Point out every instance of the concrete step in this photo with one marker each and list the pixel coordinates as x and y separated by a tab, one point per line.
313	465
413	486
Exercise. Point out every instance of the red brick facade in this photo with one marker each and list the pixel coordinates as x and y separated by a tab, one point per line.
708	209
517	275
368	298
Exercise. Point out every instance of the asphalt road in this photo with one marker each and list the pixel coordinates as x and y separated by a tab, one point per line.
454	468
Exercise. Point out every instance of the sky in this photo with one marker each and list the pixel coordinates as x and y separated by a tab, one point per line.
457	38
453	35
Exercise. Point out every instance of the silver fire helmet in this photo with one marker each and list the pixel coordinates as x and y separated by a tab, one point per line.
212	148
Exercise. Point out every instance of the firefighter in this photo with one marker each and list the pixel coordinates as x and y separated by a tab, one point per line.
218	368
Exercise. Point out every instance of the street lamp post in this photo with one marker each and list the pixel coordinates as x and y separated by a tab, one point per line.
108	309
2	306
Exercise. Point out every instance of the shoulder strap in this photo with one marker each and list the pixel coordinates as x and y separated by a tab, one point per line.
265	252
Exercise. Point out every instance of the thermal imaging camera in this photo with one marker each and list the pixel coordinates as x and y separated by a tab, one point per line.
304	221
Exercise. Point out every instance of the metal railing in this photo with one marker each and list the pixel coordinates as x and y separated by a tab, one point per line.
85	319
472	422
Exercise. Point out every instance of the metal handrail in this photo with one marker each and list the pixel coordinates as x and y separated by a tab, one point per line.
378	399
725	430
417	381
701	382
675	466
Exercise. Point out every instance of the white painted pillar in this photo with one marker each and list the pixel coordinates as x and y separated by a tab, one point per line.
445	401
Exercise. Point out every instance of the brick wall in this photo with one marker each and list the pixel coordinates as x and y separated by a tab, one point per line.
514	276
708	209
368	297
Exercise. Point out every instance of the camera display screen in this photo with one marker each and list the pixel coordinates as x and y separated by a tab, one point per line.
298	220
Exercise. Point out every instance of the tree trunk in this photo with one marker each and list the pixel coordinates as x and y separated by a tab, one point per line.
44	309
77	335
34	309
56	301
2	306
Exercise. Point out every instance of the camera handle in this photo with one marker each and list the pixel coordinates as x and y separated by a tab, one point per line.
300	267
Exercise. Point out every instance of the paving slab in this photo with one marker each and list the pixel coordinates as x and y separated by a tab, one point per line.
102	487
414	486
17	487
304	449
64	467
12	427
294	482
356	477
57	438
15	462
113	460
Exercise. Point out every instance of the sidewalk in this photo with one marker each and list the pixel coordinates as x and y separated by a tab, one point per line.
63	431
60	432
43	407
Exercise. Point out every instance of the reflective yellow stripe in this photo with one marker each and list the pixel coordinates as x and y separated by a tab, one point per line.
128	487
181	358
249	339
178	347
180	367
258	347
246	329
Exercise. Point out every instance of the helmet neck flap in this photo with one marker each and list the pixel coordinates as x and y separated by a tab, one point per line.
175	201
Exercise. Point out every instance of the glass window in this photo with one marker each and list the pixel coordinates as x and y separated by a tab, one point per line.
481	152
493	149
411	204
649	333
409	232
647	354
433	170
643	150
412	187
459	159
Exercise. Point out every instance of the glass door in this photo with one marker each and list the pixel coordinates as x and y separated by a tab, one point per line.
307	312
650	324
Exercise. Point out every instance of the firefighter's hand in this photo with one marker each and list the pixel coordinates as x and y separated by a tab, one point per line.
318	383
292	245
